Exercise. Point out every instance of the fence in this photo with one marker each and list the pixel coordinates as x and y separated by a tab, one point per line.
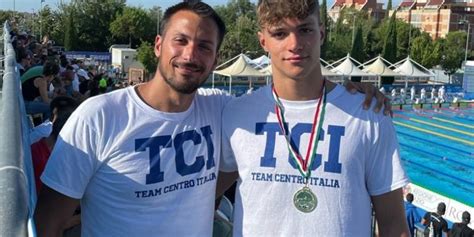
17	197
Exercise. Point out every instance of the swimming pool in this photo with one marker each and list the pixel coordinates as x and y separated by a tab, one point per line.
437	149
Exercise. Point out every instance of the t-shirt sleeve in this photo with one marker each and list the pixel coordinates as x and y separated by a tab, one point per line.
385	170
73	160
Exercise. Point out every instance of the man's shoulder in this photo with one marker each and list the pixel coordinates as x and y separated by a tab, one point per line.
352	105
259	95
109	101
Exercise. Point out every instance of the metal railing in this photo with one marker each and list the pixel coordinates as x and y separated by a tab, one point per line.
17	189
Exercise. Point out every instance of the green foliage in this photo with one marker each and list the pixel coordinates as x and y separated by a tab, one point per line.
146	55
71	33
93	21
389	5
323	13
132	24
453	51
389	51
357	51
155	14
425	51
242	28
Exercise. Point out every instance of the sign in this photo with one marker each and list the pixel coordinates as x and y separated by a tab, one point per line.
429	200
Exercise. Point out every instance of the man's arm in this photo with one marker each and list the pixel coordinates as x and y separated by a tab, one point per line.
390	214
224	181
52	212
425	219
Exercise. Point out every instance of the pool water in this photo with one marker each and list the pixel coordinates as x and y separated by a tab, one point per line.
437	149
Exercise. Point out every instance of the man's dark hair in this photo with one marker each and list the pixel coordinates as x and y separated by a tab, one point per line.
21	53
50	68
466	217
441	208
201	9
64	107
409	197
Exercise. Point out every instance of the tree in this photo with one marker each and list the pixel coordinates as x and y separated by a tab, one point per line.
133	24
325	21
146	55
357	51
93	20
240	19
389	5
70	36
425	51
155	14
390	46
453	52
389	51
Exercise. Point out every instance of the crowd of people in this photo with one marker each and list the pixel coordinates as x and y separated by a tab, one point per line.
434	223
146	160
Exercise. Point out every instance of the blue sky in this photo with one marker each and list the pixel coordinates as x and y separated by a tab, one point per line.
34	5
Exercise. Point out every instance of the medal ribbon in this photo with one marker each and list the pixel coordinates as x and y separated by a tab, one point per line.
302	164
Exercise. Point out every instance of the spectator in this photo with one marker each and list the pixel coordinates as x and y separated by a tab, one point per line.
103	85
83	80
435	223
61	107
411	212
23	59
67	78
35	84
461	229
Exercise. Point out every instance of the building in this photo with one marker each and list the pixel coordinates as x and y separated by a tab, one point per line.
438	17
374	9
122	58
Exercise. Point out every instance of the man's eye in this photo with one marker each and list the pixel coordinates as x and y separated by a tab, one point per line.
278	34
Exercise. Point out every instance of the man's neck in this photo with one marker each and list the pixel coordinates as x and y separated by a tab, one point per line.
302	88
160	96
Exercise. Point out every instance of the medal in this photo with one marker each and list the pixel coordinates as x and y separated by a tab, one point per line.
304	199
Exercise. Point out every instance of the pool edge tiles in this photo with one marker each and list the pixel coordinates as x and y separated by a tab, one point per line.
428	200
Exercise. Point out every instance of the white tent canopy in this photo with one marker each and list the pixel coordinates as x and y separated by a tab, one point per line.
240	68
408	67
378	67
346	67
261	61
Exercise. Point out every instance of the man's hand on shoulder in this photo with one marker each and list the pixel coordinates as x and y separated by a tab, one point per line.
370	92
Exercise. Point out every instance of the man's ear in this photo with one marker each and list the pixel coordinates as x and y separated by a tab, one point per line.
261	40
158	42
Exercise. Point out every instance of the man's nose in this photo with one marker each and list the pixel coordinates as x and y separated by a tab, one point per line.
189	52
294	42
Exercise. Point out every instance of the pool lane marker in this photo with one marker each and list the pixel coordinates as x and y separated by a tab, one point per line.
455	123
442	127
435	133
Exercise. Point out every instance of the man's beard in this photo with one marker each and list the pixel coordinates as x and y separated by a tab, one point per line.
189	87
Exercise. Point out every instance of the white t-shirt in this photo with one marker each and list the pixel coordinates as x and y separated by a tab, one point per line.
360	159
139	171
